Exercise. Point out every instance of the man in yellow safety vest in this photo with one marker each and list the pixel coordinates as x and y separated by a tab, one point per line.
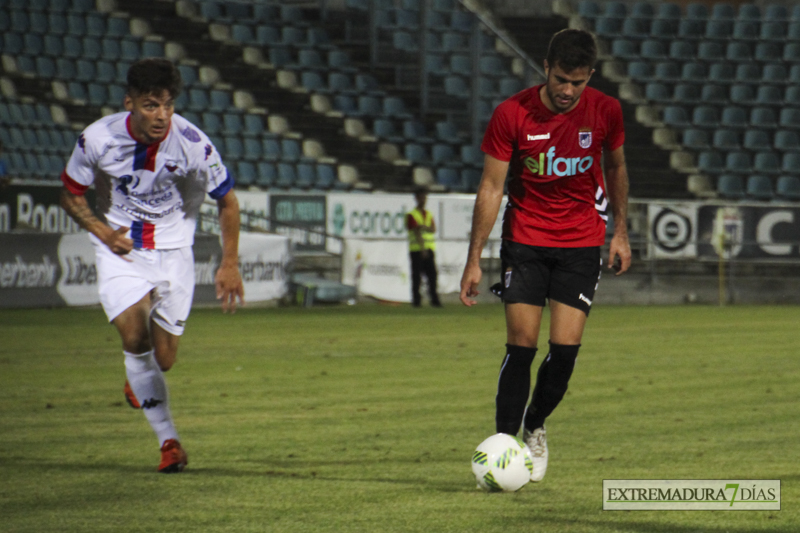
421	246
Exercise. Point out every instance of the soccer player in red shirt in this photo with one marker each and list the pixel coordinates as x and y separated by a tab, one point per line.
551	138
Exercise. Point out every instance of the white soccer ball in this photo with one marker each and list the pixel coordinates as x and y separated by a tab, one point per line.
502	463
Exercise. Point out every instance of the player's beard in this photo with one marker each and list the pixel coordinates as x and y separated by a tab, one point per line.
553	97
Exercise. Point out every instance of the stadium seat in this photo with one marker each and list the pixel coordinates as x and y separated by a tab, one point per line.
768	95
734	117
291	150
245	173
722	72
755	140
416	153
730	186
675	116
640	71
738	51
306	175
742	94
667	71
608	27
690	29
653	50
415	131
766	52
710	51
326	176
775	12
705	116
790	162
681	51
767	163
747	72
772	31
443	154
774	73
787	141
725	140
694	72
635	28
710	162
745	30
723	11
695	139
759	187
270	149
763	117
287	176
788	188
266	174
657	92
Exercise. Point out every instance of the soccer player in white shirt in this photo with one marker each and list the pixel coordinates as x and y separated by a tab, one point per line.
151	170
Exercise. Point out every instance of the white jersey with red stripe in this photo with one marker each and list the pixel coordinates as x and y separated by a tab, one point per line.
154	189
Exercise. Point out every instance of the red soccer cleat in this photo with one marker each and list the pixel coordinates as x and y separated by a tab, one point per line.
130	397
173	457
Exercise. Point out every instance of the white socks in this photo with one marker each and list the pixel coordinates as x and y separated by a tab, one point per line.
148	385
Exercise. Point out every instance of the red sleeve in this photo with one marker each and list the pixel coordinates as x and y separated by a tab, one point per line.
500	136
411	223
73	186
616	126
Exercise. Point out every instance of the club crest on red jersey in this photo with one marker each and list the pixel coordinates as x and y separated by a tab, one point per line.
585	139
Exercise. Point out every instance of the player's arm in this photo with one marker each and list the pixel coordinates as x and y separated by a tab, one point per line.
228	279
484	214
78	208
616	174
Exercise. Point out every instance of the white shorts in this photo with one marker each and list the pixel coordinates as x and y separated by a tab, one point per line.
124	280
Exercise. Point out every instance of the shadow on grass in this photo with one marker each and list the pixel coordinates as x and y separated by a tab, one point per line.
29	467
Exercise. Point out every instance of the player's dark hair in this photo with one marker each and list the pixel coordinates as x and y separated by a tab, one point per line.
154	75
571	49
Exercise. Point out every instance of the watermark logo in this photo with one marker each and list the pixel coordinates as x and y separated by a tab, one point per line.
691	494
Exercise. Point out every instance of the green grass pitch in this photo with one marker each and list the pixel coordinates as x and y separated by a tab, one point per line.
364	419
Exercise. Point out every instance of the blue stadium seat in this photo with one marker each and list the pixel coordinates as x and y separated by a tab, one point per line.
767	163
456	86
738	51
756	140
722	72
742	94
788	188
448	177
772	31
734	117
326	176
443	154
787	141
705	116
710	162
287	176
394	107
730	186
267	35
291	150
635	28
725	140
710	51
738	162
789	118
763	117
691	29
663	29
266	174
270	149
675	116
416	153
695	139
245	173
745	30
306	175
234	148
681	51
766	52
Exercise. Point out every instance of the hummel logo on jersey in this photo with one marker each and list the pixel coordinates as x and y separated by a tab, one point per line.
152	402
208	150
171	168
541	137
585	299
548	164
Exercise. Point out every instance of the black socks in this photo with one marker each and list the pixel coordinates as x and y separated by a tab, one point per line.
551	383
513	388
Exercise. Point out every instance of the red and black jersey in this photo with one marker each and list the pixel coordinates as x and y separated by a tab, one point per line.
556	195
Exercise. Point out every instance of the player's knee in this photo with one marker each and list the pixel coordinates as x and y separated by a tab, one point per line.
135	343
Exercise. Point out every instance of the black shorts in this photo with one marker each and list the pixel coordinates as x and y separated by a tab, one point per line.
533	274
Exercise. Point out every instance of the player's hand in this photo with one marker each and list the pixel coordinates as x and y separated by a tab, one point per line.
619	254
229	286
118	243
469	284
